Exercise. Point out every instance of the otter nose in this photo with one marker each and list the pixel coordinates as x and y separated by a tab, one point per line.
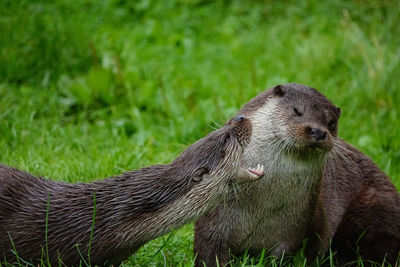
239	118
317	134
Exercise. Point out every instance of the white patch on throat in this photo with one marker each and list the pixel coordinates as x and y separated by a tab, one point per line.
268	141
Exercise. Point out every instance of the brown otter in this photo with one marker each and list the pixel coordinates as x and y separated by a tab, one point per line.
103	222
316	186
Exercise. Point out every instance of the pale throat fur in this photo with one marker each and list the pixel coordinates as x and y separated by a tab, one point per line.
283	192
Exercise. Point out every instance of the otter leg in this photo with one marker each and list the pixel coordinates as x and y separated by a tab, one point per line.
209	246
319	238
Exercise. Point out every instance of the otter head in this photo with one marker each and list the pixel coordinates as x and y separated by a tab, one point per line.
291	122
218	156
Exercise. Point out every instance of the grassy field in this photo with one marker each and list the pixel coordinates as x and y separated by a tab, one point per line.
89	89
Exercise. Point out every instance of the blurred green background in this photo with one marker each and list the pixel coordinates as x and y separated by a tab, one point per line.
91	88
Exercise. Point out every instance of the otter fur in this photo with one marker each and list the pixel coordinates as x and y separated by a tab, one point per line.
316	187
105	221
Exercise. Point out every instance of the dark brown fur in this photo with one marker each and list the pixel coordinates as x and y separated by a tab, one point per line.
350	202
130	209
362	207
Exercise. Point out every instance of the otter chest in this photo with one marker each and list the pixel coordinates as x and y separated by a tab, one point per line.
274	219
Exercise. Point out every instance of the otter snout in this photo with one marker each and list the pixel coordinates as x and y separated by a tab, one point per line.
242	128
316	133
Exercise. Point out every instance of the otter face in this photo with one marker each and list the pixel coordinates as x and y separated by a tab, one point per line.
292	120
218	156
310	118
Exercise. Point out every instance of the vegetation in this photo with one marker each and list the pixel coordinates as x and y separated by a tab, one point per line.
91	88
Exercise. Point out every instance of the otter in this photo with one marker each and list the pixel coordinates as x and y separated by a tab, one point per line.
105	221
316	188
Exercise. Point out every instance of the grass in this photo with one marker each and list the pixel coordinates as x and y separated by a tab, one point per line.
89	89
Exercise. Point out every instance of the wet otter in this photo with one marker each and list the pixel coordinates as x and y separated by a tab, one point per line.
316	186
110	219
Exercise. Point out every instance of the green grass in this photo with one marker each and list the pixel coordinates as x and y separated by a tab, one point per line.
89	89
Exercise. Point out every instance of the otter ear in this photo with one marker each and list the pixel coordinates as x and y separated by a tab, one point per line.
199	174
279	90
338	112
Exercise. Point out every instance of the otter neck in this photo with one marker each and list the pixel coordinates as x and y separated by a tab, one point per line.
138	206
270	146
121	211
191	200
287	178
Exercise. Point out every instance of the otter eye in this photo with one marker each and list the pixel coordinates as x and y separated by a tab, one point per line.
298	113
332	124
200	173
